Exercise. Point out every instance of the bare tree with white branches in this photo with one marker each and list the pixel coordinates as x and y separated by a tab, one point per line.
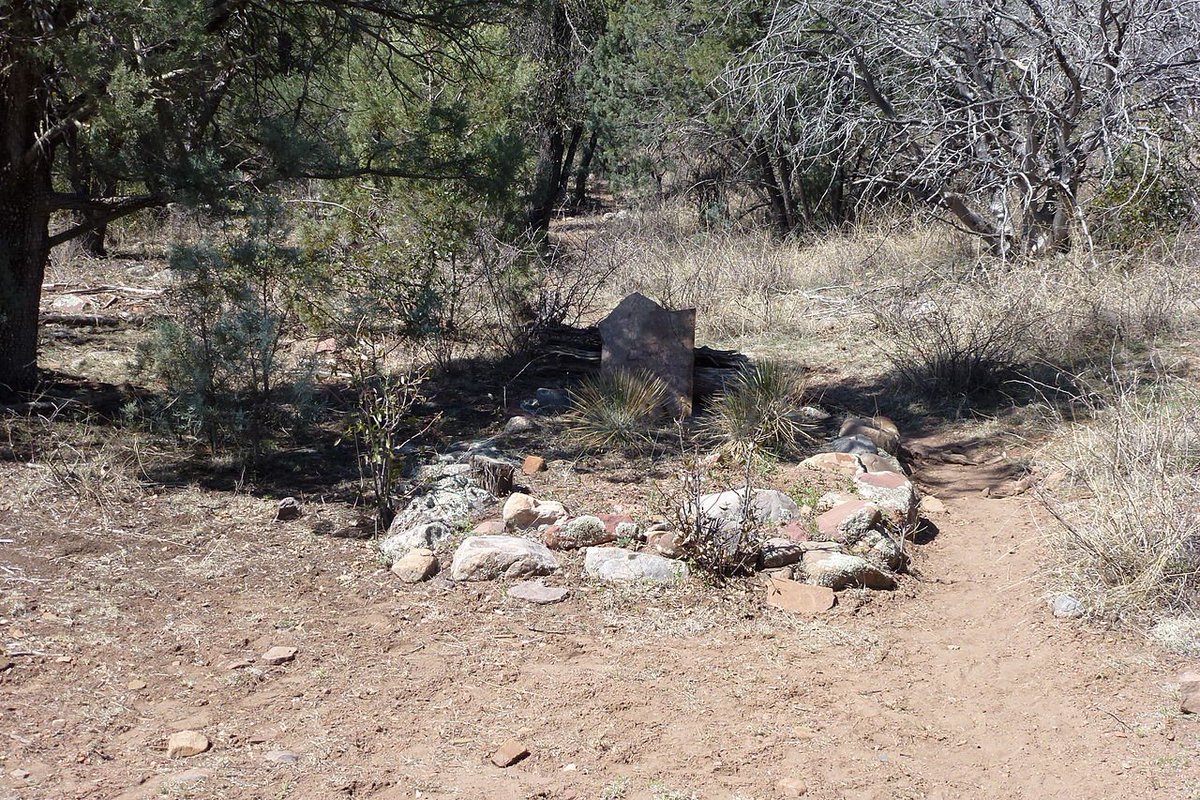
1005	114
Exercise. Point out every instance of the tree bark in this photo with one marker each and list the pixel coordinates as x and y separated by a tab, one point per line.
579	194
24	214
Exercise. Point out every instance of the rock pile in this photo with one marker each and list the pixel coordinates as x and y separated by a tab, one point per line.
852	538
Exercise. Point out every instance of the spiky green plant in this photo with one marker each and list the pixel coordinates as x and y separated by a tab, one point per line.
758	410
619	409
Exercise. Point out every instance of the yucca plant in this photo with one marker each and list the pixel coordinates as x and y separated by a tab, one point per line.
619	409
758	410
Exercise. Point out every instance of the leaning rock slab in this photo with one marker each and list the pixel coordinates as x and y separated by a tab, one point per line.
841	571
642	336
485	558
1189	693
617	565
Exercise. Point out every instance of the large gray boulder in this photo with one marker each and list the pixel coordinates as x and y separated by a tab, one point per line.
485	558
618	565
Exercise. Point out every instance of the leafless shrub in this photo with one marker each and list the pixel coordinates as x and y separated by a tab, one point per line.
1127	542
959	339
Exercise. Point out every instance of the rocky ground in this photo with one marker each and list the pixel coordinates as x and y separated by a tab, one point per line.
167	618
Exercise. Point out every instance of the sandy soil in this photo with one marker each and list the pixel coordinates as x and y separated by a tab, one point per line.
126	621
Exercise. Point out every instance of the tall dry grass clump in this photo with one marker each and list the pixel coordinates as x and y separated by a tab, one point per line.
1128	539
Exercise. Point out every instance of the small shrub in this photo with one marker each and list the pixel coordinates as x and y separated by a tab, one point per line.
1128	539
621	409
757	410
222	352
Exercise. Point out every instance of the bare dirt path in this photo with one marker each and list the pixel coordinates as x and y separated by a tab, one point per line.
958	685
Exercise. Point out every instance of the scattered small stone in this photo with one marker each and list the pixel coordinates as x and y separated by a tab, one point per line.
509	753
1064	606
665	543
1189	693
417	565
791	787
485	558
932	505
801	598
289	509
280	654
533	465
136	685
329	345
519	424
20	774
184	744
240	663
616	565
281	757
538	593
489	527
193	775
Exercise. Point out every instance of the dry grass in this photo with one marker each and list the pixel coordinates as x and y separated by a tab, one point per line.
1128	542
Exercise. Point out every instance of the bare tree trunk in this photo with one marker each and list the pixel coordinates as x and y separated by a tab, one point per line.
24	219
579	195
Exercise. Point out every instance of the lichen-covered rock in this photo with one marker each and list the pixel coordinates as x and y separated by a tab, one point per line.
892	493
584	531
767	506
842	571
485	558
618	565
780	552
881	549
847	523
427	536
